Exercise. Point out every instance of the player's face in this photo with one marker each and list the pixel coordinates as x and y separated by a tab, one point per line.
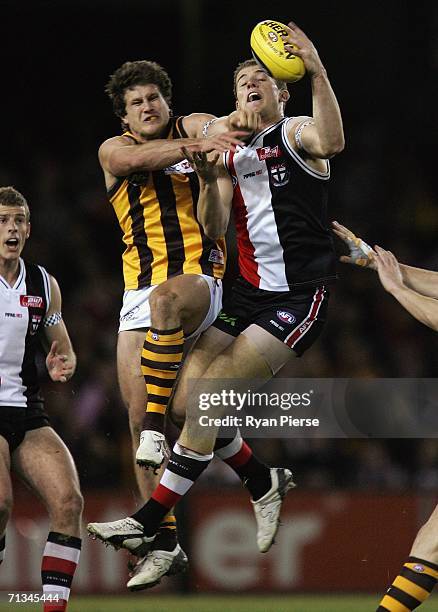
257	91
14	231
147	112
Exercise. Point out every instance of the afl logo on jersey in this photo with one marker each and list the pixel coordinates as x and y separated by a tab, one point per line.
279	175
286	317
31	301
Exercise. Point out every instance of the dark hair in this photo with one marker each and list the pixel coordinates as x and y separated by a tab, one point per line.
141	72
11	197
253	62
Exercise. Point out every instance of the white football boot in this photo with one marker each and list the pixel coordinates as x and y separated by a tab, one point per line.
157	563
152	450
267	508
124	533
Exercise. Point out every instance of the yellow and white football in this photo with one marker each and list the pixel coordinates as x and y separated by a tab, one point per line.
268	49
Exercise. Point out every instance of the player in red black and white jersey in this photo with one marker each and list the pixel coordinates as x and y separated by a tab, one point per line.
277	187
30	311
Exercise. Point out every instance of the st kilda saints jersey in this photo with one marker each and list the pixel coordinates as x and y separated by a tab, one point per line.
280	212
22	310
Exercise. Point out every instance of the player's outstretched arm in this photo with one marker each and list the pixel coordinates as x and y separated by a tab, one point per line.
361	254
422	307
121	156
323	136
61	359
421	280
215	192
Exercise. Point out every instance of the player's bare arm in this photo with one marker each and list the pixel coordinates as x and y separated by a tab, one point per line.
215	192
121	155
423	308
61	359
322	136
361	254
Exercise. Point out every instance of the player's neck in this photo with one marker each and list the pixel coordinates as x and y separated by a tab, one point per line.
269	120
9	270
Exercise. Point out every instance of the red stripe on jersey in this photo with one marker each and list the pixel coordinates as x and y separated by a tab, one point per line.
58	565
304	326
165	496
241	457
247	264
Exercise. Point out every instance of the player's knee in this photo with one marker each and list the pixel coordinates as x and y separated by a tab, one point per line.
426	544
71	505
164	304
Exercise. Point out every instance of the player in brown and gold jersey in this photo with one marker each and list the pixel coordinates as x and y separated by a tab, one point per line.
172	269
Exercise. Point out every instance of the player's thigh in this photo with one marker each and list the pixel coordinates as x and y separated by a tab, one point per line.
272	350
45	464
131	380
189	294
205	350
5	479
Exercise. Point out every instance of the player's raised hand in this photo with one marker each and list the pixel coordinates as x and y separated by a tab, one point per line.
388	269
205	166
58	365
303	48
361	254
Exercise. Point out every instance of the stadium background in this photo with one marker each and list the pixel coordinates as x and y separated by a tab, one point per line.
359	501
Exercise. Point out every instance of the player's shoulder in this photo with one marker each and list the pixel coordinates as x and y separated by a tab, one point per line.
293	122
194	123
119	140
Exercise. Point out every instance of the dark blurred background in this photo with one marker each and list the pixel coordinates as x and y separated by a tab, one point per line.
382	59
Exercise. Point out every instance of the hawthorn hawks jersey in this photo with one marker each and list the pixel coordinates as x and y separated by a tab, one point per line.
22	311
157	214
280	211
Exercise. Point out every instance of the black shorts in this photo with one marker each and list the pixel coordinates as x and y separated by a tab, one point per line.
294	317
15	422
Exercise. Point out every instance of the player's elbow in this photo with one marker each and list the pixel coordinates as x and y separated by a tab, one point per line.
330	149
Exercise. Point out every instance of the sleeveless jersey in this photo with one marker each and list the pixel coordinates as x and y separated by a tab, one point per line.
280	211
22	310
157	214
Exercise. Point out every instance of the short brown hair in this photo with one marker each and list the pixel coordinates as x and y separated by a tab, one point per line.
9	196
140	72
252	62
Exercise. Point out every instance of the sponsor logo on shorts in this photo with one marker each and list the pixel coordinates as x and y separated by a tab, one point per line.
418	568
31	301
267	152
13	315
286	317
275	324
130	314
216	256
279	174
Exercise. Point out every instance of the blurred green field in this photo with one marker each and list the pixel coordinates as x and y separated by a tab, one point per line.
147	603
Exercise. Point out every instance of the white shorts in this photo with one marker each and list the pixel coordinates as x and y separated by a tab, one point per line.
136	312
